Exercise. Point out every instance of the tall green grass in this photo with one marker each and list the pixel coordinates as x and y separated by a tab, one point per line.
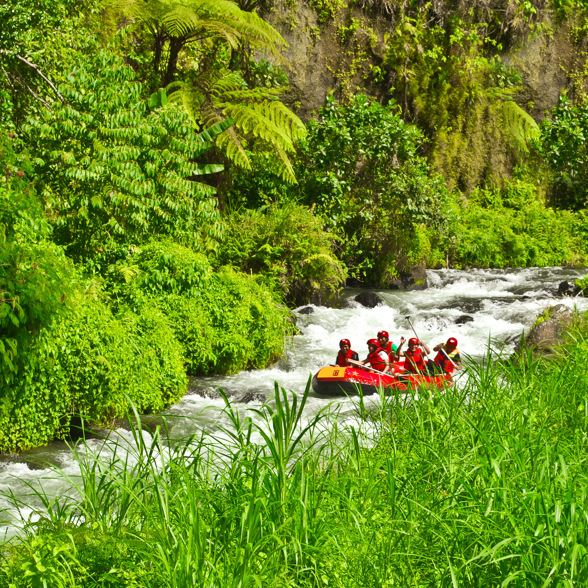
484	484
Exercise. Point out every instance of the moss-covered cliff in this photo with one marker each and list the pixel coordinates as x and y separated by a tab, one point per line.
451	67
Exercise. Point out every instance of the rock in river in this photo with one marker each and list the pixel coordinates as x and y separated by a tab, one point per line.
548	331
369	299
568	289
464	318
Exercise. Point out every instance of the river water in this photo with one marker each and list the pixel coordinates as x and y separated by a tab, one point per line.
497	304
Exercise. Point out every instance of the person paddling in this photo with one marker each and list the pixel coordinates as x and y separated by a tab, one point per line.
345	353
447	359
388	346
377	358
415	356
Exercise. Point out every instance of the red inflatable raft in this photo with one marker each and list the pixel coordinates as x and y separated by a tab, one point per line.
338	381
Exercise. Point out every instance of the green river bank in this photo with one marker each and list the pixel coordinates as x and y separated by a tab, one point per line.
485	484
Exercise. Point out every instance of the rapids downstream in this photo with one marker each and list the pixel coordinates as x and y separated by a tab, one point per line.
498	305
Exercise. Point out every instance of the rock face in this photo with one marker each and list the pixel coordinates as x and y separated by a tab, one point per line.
546	335
318	62
414	279
369	299
541	61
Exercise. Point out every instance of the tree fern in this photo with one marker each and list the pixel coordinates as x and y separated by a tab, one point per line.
209	31
259	118
177	24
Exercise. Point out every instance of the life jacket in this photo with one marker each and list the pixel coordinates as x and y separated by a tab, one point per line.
415	362
342	359
445	366
389	349
376	361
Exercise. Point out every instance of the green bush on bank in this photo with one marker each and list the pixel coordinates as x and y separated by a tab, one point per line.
513	228
173	315
226	321
36	279
288	245
87	363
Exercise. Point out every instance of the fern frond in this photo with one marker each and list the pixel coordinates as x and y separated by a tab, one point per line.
257	115
231	144
203	18
520	125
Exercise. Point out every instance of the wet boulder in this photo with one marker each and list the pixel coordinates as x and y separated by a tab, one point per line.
414	279
566	288
369	299
306	310
251	397
548	330
463	319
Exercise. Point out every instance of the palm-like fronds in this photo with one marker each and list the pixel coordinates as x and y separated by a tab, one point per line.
257	115
520	125
192	20
213	93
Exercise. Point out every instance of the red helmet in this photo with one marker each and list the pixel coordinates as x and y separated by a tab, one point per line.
413	341
373	342
383	334
452	342
344	342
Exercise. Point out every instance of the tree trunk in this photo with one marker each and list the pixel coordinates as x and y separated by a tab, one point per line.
175	46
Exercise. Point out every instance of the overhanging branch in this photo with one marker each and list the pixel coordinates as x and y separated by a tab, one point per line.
38	71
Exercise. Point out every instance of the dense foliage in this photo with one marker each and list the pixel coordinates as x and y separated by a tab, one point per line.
161	203
473	487
226	321
35	278
563	145
375	187
128	173
289	246
90	363
513	228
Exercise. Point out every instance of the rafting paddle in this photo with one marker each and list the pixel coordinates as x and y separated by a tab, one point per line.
449	358
415	334
367	367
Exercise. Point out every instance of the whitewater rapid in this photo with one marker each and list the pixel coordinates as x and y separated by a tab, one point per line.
499	305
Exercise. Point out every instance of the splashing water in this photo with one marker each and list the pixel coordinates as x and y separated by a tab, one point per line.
493	305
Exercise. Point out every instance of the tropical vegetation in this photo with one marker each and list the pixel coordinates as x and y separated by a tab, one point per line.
473	486
162	204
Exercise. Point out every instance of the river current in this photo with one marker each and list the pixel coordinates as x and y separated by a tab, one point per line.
491	307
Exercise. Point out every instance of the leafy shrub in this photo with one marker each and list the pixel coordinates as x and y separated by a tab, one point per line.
288	245
226	321
35	277
563	146
373	186
513	228
87	363
110	171
91	557
234	324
